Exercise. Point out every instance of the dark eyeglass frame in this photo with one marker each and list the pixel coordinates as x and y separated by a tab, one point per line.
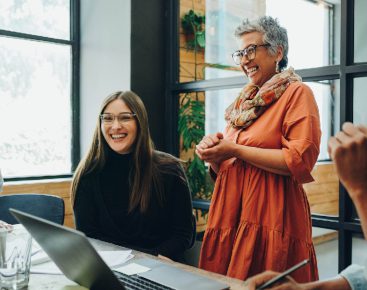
250	55
120	117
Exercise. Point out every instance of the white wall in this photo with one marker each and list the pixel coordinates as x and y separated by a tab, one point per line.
104	58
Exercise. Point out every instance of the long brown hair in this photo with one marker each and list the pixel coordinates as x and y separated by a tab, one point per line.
146	169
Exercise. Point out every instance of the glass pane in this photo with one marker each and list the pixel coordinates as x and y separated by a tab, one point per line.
35	114
323	193
319	45
360	26
359	106
41	17
360	101
215	104
207	38
359	250
326	247
205	51
326	94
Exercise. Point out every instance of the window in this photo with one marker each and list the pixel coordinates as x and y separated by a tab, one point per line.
209	57
360	24
332	63
38	88
359	100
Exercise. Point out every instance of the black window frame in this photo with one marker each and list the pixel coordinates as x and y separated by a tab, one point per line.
346	224
74	43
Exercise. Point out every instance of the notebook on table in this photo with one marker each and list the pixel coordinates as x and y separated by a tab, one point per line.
73	253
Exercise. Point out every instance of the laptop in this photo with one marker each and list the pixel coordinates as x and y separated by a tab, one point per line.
73	253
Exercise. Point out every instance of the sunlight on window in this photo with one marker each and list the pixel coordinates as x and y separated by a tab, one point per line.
308	39
311	44
215	104
360	101
35	95
325	94
41	17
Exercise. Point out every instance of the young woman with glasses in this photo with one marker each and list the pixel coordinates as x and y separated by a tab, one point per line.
127	193
259	210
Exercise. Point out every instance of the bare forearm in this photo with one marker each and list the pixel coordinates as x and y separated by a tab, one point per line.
339	283
267	159
360	201
334	284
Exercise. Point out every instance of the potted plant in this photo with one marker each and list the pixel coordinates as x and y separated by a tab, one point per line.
191	123
193	26
191	127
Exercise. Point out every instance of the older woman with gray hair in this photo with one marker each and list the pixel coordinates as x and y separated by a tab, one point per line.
259	217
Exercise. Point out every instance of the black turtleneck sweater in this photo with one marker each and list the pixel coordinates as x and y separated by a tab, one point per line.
101	210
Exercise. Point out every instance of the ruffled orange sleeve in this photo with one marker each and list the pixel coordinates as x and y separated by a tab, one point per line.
301	132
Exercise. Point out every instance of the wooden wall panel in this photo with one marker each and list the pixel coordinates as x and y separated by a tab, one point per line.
191	65
188	55
197	5
59	188
323	193
188	70
188	60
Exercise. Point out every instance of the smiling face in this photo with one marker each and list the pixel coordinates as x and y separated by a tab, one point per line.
120	136
262	67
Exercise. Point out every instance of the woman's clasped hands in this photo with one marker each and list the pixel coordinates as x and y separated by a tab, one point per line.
214	149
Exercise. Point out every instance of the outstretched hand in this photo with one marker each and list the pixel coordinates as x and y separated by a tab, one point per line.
286	284
348	149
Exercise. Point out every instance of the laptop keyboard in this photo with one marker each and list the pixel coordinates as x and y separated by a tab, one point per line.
139	283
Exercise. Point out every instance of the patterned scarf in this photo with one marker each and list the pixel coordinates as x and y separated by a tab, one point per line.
253	100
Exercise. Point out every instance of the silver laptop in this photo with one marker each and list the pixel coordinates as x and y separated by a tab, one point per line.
73	253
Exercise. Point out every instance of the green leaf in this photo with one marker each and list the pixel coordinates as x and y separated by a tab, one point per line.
200	38
191	122
194	24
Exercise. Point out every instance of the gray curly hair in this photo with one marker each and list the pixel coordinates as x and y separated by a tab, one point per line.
273	34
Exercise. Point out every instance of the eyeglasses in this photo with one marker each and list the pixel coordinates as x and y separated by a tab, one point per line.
249	52
121	118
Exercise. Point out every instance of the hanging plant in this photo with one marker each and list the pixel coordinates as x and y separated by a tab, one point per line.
191	127
191	121
193	26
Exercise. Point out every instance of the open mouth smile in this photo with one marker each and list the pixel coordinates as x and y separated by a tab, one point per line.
118	136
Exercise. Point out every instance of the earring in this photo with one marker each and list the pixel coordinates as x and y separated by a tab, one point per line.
277	66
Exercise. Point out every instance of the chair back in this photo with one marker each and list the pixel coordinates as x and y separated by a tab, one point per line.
194	233
49	207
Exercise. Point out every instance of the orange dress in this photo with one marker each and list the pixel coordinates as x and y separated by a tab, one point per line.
260	220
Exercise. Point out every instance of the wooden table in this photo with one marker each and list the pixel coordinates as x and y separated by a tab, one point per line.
60	282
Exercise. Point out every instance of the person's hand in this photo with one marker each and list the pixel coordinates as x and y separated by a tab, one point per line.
259	279
348	149
164	258
6	226
217	153
286	284
209	141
